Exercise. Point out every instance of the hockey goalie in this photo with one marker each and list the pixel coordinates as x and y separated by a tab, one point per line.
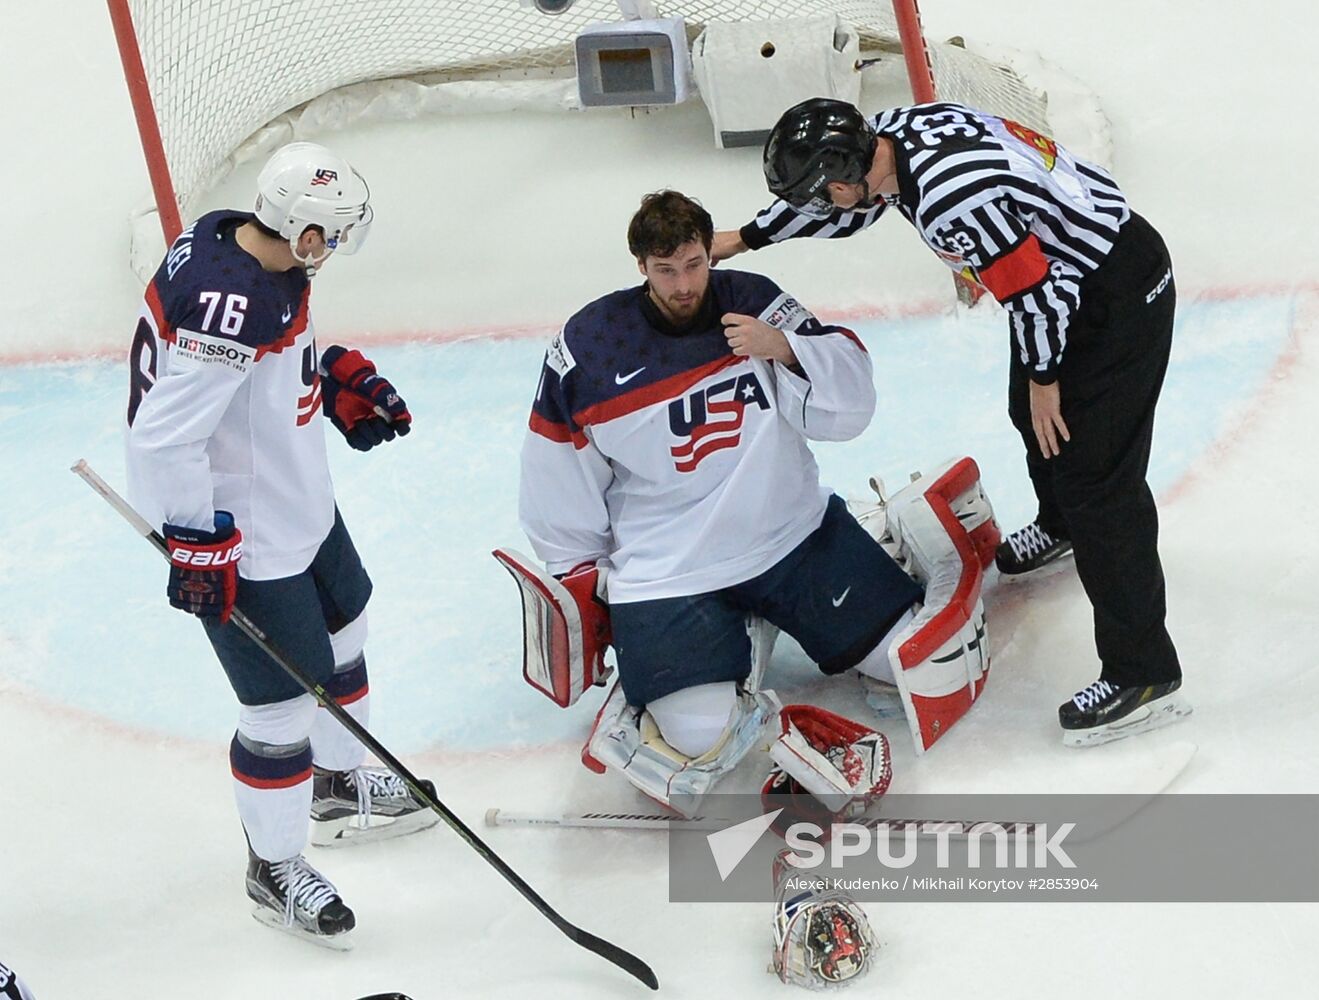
931	658
670	494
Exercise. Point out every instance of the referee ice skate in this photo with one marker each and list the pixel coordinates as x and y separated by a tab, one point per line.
1088	287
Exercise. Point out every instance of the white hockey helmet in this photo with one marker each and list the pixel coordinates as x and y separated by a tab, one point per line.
304	184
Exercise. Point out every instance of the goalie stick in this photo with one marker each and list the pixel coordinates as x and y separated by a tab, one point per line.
625	960
1117	802
657	821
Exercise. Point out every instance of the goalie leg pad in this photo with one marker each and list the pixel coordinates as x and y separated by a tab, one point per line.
937	691
940	661
628	739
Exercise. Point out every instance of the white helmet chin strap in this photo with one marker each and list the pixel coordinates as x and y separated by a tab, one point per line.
309	263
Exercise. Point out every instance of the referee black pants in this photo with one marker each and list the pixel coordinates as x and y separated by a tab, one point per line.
1095	492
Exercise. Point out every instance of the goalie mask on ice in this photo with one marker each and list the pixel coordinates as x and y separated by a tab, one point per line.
822	938
941	530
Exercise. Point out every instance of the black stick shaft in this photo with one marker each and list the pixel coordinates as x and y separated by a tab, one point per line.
623	959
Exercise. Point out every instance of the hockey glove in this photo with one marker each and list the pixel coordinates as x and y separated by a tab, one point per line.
826	766
203	567
583	582
365	407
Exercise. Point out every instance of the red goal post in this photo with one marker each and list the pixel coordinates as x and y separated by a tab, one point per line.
205	77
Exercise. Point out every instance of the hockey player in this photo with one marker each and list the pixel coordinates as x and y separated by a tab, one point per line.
669	489
226	452
1089	291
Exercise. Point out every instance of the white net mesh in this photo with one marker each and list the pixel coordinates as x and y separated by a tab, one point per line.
220	71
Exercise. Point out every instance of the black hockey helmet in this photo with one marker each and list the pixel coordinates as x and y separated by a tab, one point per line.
812	144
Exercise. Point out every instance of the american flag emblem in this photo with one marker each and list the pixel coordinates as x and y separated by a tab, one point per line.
710	419
324	177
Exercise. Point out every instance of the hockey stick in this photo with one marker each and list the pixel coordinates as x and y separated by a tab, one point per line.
626	961
656	821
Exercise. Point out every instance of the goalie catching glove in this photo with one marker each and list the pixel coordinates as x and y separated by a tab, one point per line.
826	768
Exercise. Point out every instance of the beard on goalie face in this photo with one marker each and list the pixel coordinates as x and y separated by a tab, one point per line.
678	283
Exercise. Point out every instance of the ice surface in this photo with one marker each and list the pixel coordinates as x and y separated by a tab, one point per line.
122	854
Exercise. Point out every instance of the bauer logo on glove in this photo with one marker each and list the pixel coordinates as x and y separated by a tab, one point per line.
203	567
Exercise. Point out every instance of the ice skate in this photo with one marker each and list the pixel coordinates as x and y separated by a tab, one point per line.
1028	552
1103	712
294	897
883	698
366	804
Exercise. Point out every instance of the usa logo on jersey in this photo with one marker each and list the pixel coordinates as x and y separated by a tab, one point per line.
710	419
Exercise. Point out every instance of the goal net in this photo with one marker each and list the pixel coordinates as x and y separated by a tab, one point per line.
205	76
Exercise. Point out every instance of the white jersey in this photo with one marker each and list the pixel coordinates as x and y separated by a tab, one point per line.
224	410
683	467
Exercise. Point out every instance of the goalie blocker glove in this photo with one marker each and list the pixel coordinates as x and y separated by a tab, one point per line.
203	567
364	406
565	627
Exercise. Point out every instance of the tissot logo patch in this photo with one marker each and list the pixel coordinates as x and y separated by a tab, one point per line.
200	349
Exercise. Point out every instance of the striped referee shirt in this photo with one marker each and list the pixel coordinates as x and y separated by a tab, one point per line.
1000	203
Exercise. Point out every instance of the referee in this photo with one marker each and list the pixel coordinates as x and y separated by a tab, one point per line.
1089	292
